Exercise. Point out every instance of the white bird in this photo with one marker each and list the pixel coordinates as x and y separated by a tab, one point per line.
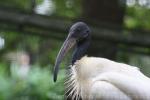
93	78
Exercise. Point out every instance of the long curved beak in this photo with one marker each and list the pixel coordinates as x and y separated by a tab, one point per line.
67	45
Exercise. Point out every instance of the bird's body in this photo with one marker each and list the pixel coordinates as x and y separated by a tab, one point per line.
99	78
94	78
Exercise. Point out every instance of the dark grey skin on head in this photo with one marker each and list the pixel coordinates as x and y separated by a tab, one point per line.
79	35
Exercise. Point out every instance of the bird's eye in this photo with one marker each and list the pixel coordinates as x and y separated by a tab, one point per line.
87	31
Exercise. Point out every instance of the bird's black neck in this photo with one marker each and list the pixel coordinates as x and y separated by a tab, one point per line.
81	49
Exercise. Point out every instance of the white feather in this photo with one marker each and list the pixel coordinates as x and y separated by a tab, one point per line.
100	78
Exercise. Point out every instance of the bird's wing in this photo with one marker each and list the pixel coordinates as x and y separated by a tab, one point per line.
122	86
103	90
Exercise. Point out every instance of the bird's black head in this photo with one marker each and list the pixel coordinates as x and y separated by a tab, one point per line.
79	31
79	34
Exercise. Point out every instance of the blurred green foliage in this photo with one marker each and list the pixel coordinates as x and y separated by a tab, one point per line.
137	17
20	5
68	8
38	85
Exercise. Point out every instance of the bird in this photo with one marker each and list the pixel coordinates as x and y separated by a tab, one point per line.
97	78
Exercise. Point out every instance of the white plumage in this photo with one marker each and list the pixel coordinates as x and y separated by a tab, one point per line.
99	78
